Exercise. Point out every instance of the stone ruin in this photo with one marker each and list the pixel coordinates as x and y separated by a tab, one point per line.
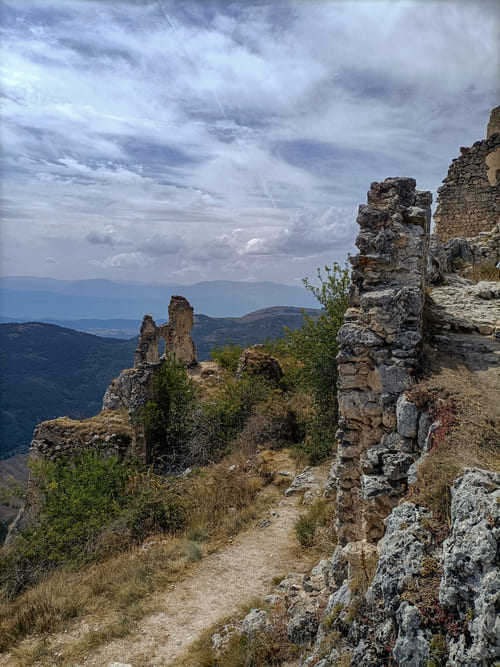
176	333
379	344
116	430
469	199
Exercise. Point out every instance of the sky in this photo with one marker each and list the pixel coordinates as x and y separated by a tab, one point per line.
176	141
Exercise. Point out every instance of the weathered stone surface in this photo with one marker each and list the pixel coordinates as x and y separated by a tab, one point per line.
131	389
471	577
176	332
461	306
437	264
305	481
255	621
493	123
407	417
405	609
379	346
147	349
255	361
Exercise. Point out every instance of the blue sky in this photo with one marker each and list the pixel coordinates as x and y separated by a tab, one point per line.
177	141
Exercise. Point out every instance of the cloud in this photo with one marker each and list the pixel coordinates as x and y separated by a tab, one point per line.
104	237
124	260
160	245
307	234
160	128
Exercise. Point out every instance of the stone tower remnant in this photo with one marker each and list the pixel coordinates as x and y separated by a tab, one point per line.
147	349
176	333
379	344
469	199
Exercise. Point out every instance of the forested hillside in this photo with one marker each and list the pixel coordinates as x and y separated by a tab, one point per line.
48	371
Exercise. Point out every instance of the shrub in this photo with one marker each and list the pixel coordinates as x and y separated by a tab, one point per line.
78	499
307	524
168	419
227	356
219	422
315	346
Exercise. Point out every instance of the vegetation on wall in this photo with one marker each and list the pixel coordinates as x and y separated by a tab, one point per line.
315	348
169	418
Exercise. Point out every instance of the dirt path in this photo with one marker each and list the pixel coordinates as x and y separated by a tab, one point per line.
219	586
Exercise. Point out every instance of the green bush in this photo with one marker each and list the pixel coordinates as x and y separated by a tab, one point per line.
315	346
168	419
92	507
307	524
227	356
220	421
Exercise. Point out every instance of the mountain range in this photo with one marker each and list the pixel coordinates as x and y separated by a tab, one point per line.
47	299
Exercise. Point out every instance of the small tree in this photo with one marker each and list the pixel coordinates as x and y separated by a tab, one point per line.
168	419
315	346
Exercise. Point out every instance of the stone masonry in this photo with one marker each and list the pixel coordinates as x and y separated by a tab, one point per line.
469	199
176	333
379	344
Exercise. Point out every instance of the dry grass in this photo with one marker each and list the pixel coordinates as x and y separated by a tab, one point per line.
263	648
117	590
472	438
101	424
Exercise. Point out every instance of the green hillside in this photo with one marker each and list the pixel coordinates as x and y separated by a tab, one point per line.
48	371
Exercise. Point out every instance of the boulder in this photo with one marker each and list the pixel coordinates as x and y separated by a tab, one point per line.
256	362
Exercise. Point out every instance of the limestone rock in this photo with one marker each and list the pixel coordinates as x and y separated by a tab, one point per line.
302	482
471	575
255	621
407	417
461	306
254	361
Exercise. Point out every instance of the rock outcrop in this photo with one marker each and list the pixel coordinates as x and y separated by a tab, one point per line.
254	361
379	345
116	430
462	306
468	201
429	602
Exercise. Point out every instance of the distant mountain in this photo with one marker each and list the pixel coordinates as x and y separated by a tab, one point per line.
49	371
29	298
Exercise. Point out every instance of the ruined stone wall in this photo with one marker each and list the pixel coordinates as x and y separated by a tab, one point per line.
379	344
468	201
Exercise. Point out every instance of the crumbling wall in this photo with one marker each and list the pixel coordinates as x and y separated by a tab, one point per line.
379	344
468	201
147	349
176	332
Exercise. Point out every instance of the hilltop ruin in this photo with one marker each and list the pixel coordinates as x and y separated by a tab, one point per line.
469	199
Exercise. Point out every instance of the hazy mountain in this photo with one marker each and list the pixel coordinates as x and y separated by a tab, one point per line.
49	371
29	298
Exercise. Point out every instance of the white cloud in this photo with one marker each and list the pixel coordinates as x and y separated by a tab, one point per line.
123	260
163	127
